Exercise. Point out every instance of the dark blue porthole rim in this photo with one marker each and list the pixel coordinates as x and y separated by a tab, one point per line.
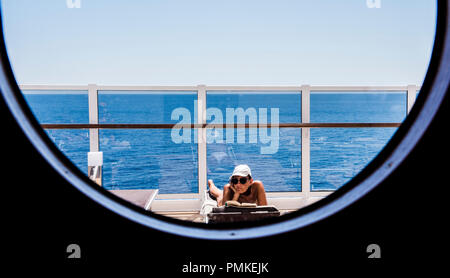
405	139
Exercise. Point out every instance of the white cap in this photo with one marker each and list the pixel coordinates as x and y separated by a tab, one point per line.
241	171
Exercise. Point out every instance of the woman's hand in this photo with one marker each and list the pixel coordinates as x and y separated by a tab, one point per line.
236	193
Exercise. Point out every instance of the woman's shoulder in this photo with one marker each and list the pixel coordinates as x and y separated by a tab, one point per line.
257	184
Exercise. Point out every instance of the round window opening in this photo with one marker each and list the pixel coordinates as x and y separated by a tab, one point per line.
224	120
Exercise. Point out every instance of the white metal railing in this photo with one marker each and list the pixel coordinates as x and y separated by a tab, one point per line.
283	200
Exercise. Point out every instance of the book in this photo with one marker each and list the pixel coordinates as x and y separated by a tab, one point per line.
237	204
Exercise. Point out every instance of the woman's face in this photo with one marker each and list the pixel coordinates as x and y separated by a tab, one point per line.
241	188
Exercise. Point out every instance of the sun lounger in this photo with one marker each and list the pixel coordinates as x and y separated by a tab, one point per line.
227	214
239	214
140	197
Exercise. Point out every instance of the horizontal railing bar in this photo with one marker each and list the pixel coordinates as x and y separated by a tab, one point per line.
254	88
147	88
54	87
169	126
359	88
312	88
107	88
215	88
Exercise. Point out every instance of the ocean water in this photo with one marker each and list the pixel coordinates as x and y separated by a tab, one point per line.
153	158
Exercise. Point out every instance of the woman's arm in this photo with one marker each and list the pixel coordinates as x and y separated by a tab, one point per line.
260	193
229	194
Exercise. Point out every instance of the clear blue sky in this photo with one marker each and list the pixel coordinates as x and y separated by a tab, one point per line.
219	42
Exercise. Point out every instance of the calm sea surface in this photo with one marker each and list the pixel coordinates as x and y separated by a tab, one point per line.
137	159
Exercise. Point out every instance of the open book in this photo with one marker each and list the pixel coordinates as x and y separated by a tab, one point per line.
237	204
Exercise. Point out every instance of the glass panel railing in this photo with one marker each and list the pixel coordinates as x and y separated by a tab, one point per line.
148	159
146	107
62	107
338	154
358	107
288	104
273	154
74	143
58	107
165	159
279	171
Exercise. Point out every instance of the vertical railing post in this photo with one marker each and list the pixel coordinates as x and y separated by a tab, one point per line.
306	142
93	135
201	141
410	97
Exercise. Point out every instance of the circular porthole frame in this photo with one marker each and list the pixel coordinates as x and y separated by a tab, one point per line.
429	101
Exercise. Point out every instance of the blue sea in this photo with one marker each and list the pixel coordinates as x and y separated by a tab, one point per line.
151	158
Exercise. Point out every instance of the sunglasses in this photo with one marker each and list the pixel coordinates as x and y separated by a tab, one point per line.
243	180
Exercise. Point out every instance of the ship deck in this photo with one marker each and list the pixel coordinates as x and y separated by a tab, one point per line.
146	198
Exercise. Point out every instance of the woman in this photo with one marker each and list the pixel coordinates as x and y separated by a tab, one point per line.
241	188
